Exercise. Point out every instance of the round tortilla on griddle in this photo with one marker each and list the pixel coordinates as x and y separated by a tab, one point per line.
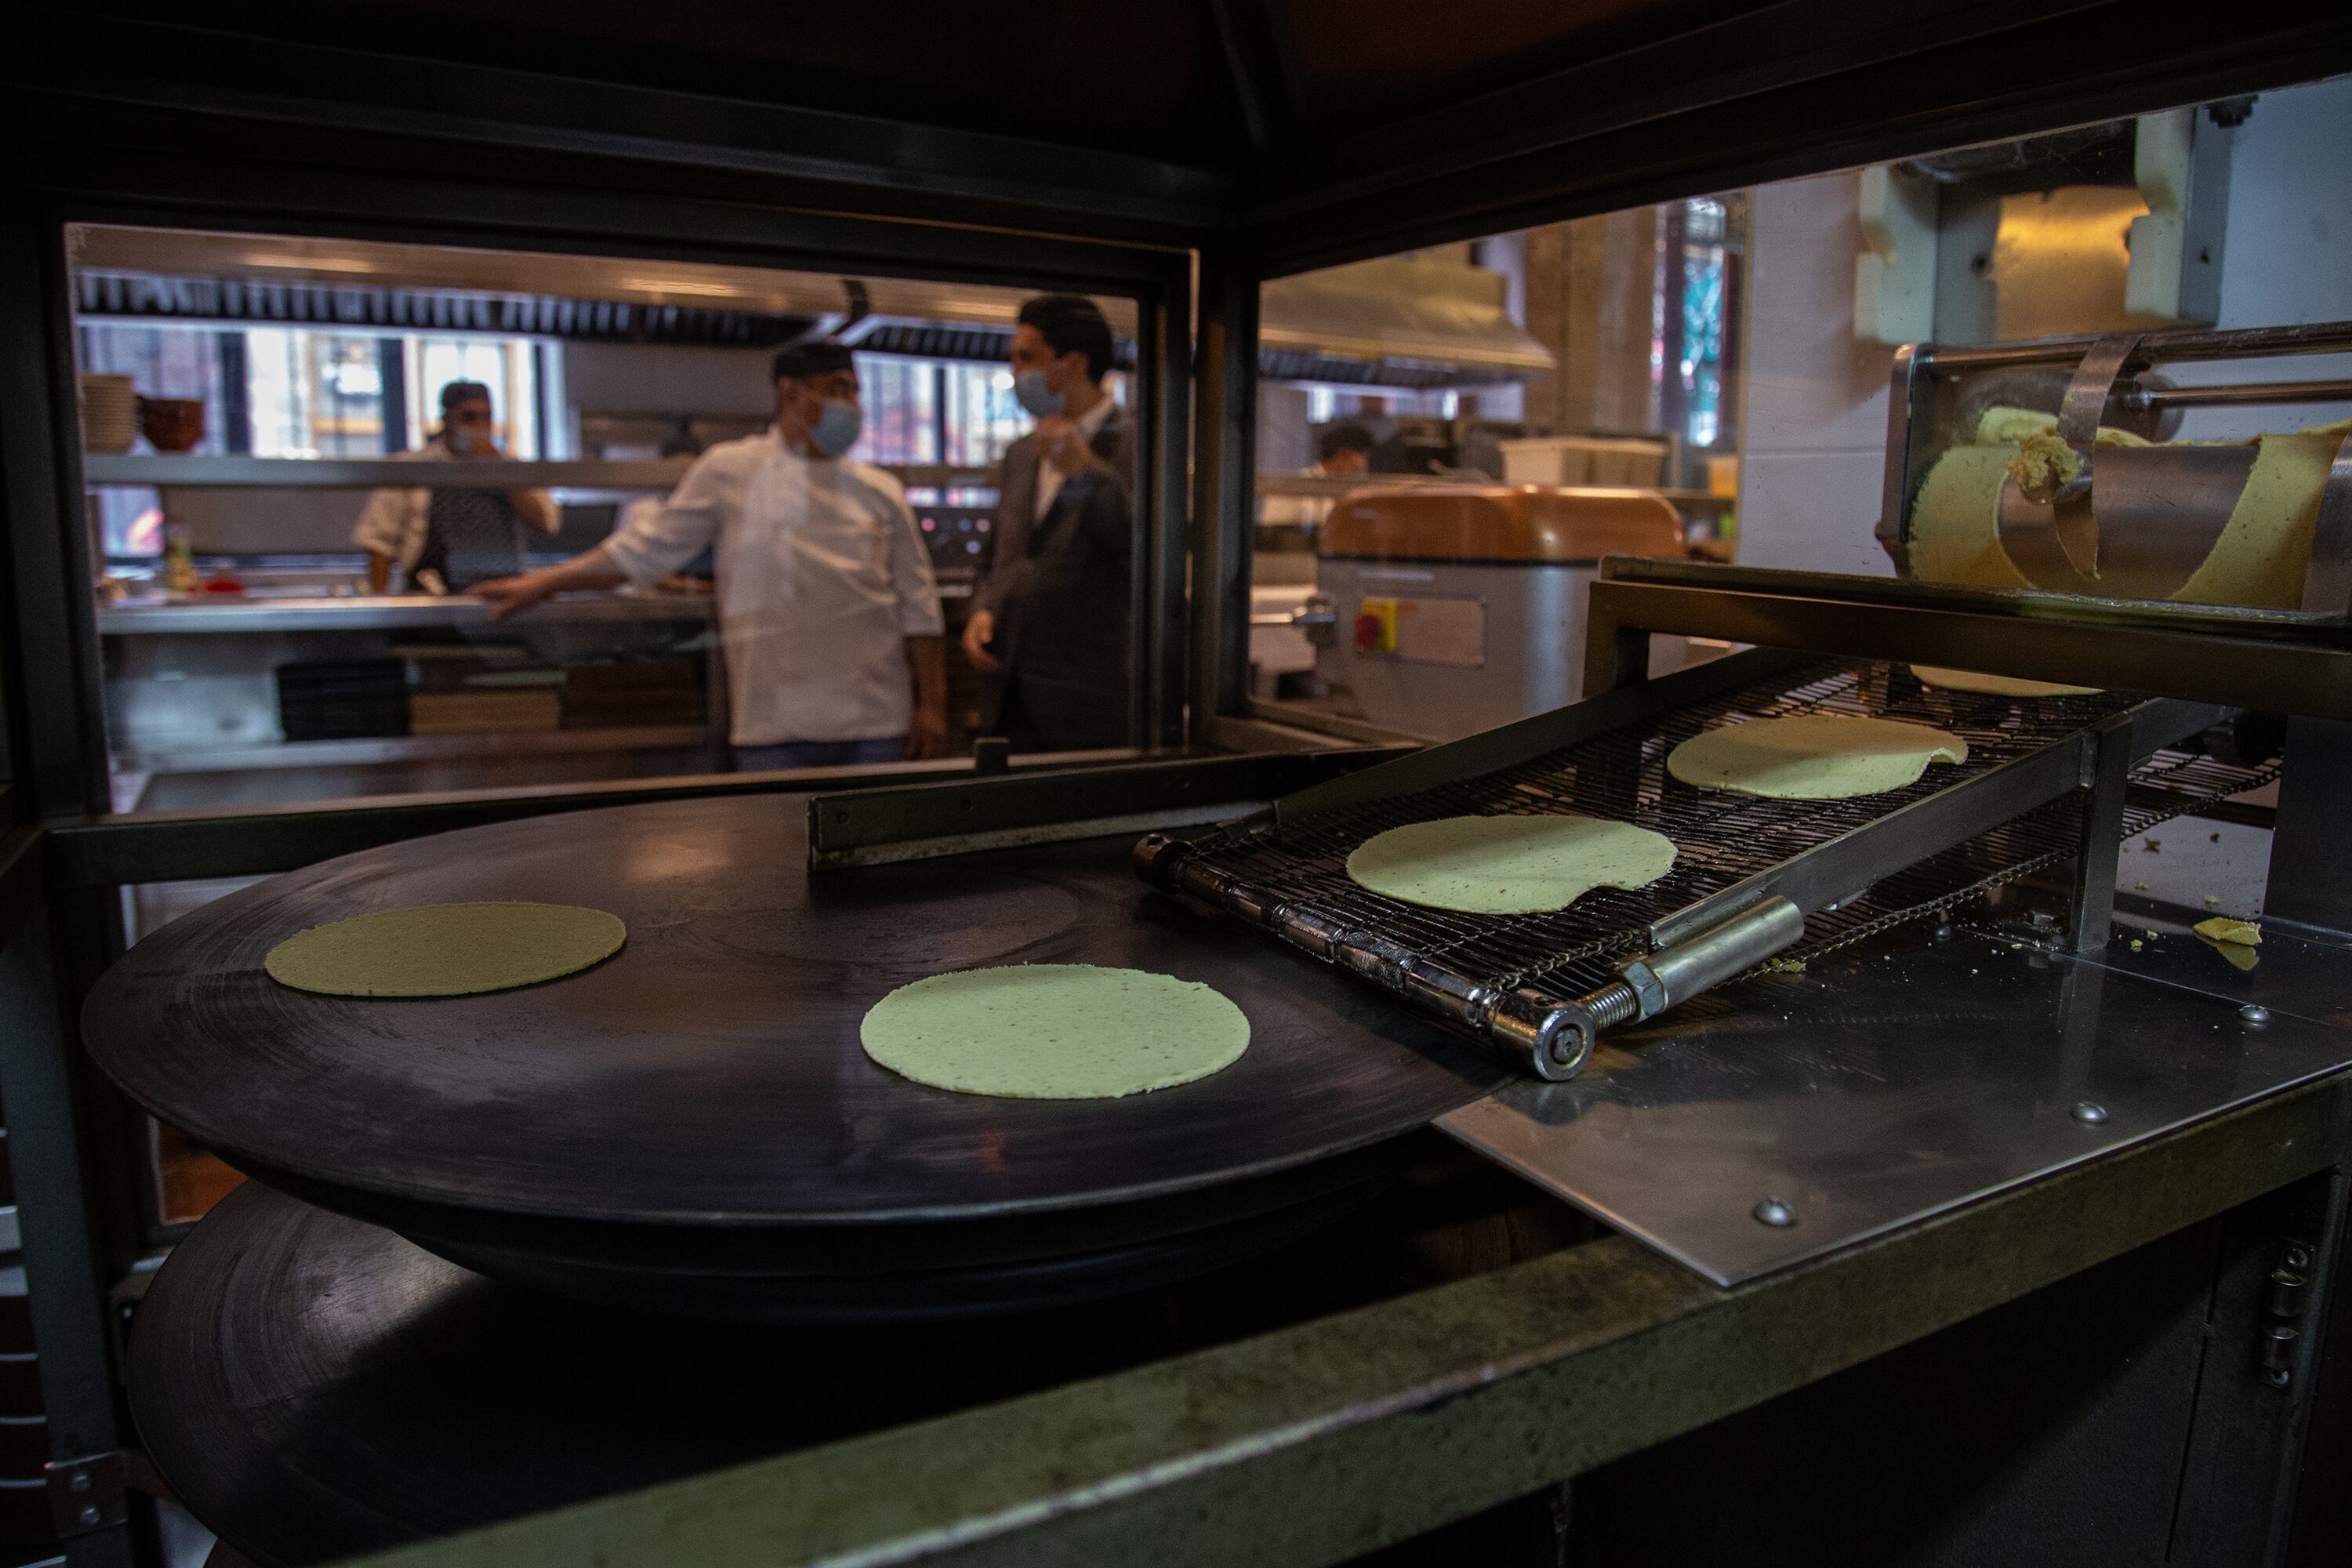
1812	756
1508	864
1054	1031
446	950
1944	679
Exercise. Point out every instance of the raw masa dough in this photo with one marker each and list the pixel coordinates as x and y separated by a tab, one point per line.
1508	864
1812	756
1054	1031
446	950
2259	559
1995	685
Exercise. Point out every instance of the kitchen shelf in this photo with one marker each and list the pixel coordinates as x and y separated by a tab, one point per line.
420	748
374	473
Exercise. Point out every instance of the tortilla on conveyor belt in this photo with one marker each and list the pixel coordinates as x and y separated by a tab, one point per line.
1508	864
446	950
1054	1031
1812	756
1995	685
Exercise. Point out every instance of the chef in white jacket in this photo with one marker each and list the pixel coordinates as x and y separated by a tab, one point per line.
826	605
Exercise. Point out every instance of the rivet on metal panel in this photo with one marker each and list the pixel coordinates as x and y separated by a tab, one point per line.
1774	1212
2253	1015
2090	1114
85	1493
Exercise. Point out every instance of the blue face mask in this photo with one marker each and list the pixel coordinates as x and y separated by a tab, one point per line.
1029	391
837	429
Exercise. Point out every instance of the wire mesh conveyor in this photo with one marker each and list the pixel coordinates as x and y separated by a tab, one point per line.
1753	878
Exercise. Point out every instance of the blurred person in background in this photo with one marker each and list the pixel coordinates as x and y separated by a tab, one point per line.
1049	622
1344	451
827	610
445	541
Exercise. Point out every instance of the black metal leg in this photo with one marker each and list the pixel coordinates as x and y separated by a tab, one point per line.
2091	915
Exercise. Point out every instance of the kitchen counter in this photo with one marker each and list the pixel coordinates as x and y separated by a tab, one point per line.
257	613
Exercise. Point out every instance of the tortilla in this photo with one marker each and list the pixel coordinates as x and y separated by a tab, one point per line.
1054	1031
1508	864
1995	685
1812	756
446	950
2221	928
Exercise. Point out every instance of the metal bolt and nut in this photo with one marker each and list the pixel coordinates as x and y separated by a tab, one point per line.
89	1514
1776	1212
2089	1114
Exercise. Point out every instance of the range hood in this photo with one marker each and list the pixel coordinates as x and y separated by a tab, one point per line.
1402	321
1399	322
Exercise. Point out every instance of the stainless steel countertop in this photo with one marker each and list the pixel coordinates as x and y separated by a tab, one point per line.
376	613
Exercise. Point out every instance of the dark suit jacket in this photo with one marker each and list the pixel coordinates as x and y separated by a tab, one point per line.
1059	587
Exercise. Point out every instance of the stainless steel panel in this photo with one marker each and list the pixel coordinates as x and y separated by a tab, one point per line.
388	612
372	473
1879	1088
1534	646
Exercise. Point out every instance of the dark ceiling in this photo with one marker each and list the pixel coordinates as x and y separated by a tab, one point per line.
1306	129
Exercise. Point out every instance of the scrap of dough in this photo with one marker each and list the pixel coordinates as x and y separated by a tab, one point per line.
2221	927
1995	685
1508	864
1054	1031
446	950
1812	756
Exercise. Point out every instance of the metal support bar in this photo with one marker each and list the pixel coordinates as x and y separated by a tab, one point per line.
2236	395
1158	628
873	826
1224	498
178	845
68	1295
1317	1444
2259	659
2310	883
2107	773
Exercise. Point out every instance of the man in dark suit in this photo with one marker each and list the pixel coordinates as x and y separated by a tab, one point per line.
1049	622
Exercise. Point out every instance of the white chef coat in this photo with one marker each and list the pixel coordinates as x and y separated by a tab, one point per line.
1049	478
821	574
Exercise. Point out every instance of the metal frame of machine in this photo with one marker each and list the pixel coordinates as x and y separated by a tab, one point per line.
1336	1436
1502	978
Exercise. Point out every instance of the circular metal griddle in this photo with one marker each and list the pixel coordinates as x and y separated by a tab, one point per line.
692	1126
312	1387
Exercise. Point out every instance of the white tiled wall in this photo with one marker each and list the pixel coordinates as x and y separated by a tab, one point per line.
1814	426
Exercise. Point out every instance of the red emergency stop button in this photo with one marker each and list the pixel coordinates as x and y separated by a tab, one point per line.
1368	632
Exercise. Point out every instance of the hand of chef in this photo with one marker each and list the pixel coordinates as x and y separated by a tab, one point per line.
506	594
977	633
1060	443
927	734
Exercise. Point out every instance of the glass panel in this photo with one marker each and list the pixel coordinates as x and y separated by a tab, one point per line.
1722	363
287	640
